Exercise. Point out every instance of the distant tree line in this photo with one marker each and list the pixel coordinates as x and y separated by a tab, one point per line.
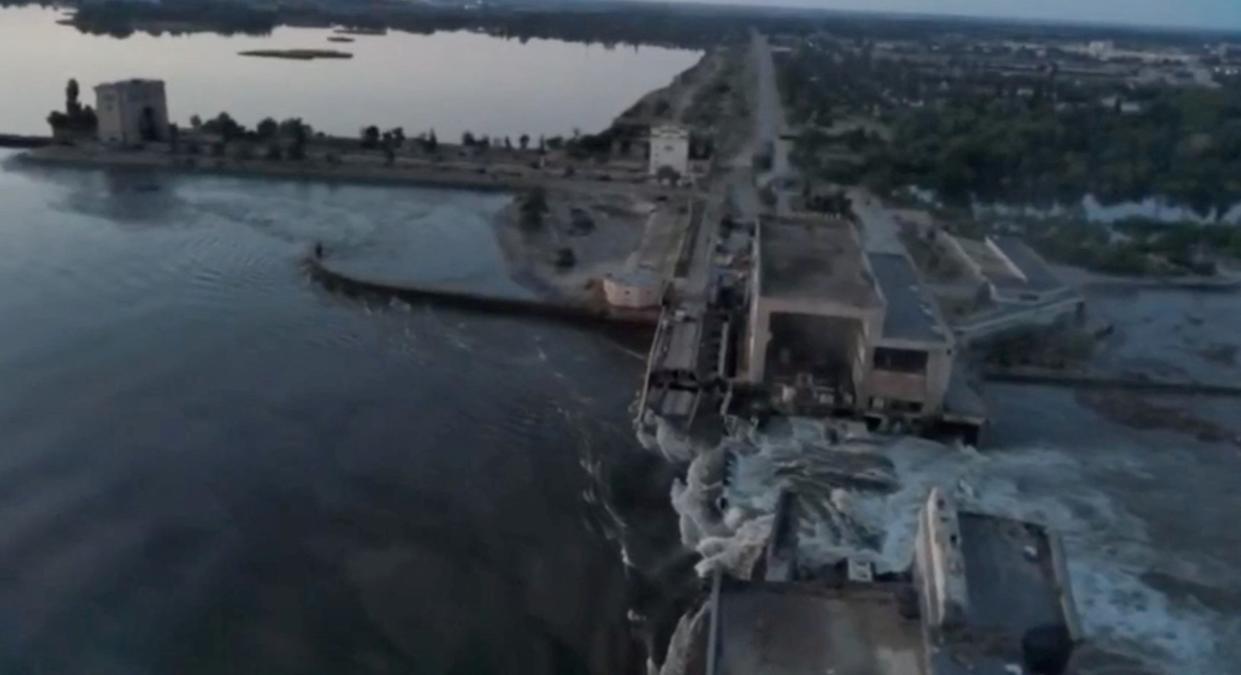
120	18
603	21
1038	139
1184	145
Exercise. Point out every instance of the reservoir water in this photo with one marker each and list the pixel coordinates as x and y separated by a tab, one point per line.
209	465
452	82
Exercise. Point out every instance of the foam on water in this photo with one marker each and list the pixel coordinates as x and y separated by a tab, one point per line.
1109	549
1108	552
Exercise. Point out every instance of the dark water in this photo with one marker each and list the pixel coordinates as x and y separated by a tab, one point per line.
209	465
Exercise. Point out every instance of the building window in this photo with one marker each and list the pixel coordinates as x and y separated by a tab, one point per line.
896	405
900	360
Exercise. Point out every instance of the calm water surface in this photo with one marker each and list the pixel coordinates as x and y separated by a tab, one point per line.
451	82
209	465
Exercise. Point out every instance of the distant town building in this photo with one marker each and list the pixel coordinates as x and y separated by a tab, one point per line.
132	111
669	150
1101	49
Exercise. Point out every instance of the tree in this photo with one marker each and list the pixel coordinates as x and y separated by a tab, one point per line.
293	127
508	143
174	138
267	128
467	139
72	106
225	126
298	133
370	137
524	141
58	121
398	136
431	143
668	175
89	121
533	207
196	123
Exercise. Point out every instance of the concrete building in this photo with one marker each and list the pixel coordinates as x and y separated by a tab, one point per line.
986	596
913	355
669	149
1101	49
814	312
857	330
132	111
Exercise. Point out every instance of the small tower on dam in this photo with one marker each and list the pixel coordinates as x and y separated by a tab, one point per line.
669	150
132	111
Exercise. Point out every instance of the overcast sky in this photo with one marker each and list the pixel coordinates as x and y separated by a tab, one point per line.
1224	14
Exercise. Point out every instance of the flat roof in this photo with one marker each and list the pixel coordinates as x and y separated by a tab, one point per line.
131	81
1013	586
1012	579
684	337
795	629
814	262
911	313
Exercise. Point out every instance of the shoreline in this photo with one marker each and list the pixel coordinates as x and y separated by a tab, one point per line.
258	168
435	176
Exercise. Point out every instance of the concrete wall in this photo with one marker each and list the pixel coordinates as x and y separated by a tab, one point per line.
121	106
1011	319
927	388
759	341
939	564
630	293
670	148
952	248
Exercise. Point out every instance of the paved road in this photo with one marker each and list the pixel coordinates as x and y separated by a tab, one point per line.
769	118
880	231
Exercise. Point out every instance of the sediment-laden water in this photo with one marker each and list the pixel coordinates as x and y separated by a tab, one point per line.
208	464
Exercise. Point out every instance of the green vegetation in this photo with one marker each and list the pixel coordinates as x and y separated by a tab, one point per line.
533	208
1185	145
120	19
1037	137
76	118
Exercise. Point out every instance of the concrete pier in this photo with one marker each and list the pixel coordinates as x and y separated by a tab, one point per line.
558	310
23	141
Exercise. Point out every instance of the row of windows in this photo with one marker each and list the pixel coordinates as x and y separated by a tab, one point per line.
900	360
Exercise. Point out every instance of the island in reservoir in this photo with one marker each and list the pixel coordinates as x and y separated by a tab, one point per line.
299	54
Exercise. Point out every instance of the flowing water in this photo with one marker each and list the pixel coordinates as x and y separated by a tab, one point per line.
208	464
